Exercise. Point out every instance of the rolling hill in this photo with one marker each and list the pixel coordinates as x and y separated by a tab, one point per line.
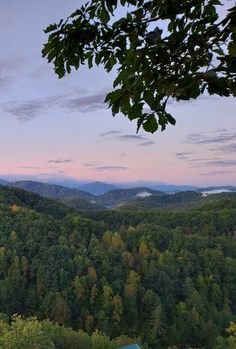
97	188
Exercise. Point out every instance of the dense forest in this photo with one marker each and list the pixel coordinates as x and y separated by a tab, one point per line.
102	279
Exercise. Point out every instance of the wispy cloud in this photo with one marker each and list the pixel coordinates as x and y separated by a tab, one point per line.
216	173
87	103
29	109
183	155
60	161
24	111
135	138
228	148
217	163
31	167
91	164
110	133
146	144
111	168
221	137
117	135
99	167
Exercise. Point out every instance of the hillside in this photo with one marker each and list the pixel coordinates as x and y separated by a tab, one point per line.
117	196
97	188
15	197
120	271
52	191
82	203
126	199
176	200
72	197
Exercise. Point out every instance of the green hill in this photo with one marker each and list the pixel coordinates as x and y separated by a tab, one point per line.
166	278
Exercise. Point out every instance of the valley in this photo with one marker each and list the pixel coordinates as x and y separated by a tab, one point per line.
163	278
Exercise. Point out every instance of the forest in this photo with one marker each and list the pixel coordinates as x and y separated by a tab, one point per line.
74	279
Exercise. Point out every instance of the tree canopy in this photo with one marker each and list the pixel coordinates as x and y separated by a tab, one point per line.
161	50
104	279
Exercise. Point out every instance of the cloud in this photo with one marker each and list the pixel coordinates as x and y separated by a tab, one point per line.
111	168
204	162
87	103
24	111
31	167
60	161
203	159
198	138
131	138
91	164
216	173
110	133
27	110
228	148
146	144
218	163
98	167
183	155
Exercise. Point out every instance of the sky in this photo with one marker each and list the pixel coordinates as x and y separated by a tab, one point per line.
60	129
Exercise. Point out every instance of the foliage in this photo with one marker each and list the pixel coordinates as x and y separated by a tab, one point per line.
30	333
167	277
230	341
160	49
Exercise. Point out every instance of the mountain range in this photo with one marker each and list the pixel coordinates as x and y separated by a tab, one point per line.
100	196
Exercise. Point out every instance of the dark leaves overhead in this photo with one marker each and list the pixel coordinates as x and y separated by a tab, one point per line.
160	49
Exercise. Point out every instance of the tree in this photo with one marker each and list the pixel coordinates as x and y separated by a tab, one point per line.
29	333
162	50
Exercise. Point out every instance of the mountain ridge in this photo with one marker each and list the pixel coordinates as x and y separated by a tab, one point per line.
121	198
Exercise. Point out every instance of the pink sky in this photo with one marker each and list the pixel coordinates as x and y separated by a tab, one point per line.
54	128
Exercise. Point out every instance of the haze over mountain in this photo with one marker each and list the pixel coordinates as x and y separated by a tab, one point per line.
52	191
97	188
122	198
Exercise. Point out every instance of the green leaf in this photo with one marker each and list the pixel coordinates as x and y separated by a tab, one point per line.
232	48
104	16
170	119
50	28
135	111
90	59
98	58
150	125
149	98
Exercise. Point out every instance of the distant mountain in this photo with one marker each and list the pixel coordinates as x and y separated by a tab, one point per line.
163	200
117	196
129	198
52	191
68	196
97	188
3	182
16	197
169	188
217	190
82	203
